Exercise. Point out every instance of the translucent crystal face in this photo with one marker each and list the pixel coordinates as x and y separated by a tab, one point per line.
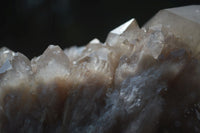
53	63
139	80
129	31
183	22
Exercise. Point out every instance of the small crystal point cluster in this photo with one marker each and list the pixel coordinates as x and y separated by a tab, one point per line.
141	80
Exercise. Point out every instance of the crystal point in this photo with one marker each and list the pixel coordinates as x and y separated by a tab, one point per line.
124	27
127	31
52	62
184	22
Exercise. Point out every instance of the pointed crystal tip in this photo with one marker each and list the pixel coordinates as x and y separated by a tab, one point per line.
124	32
183	22
124	27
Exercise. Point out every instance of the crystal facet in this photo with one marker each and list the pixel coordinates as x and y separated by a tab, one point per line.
183	22
128	31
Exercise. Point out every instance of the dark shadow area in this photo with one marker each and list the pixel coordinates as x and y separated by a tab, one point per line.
29	26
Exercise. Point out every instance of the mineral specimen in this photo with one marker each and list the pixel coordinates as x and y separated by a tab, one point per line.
139	81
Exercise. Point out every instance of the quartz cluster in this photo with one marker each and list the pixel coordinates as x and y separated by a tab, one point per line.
141	80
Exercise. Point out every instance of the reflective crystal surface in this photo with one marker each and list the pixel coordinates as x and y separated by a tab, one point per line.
140	80
183	22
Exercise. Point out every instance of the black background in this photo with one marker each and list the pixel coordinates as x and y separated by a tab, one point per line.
29	26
